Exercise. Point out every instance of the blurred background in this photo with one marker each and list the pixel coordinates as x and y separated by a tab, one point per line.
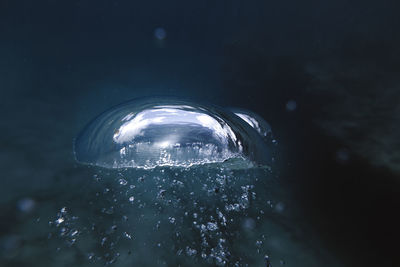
324	74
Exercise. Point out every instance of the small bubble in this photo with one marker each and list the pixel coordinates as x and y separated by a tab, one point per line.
26	205
71	242
267	261
291	105
131	199
191	251
109	210
161	194
63	231
74	232
59	221
113	228
122	182
279	207
160	33
127	235
212	226
90	256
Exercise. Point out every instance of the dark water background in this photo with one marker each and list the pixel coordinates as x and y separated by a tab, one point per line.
63	62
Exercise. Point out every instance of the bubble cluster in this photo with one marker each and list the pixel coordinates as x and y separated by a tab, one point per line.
198	216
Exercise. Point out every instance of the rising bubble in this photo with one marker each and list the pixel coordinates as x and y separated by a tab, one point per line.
148	133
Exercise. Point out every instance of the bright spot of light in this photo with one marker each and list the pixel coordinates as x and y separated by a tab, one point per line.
164	144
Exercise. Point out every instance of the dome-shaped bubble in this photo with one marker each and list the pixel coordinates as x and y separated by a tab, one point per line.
254	120
153	132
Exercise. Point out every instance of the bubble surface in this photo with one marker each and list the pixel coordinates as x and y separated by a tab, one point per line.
147	133
254	120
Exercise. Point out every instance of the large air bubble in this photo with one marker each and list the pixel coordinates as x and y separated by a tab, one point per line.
154	132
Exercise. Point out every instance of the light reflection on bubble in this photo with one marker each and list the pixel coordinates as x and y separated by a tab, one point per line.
254	120
148	133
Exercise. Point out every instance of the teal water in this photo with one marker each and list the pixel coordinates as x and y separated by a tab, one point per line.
198	216
323	74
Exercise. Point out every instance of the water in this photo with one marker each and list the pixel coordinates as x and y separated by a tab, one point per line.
198	216
210	214
323	74
183	211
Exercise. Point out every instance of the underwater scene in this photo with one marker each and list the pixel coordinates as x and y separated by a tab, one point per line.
199	133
